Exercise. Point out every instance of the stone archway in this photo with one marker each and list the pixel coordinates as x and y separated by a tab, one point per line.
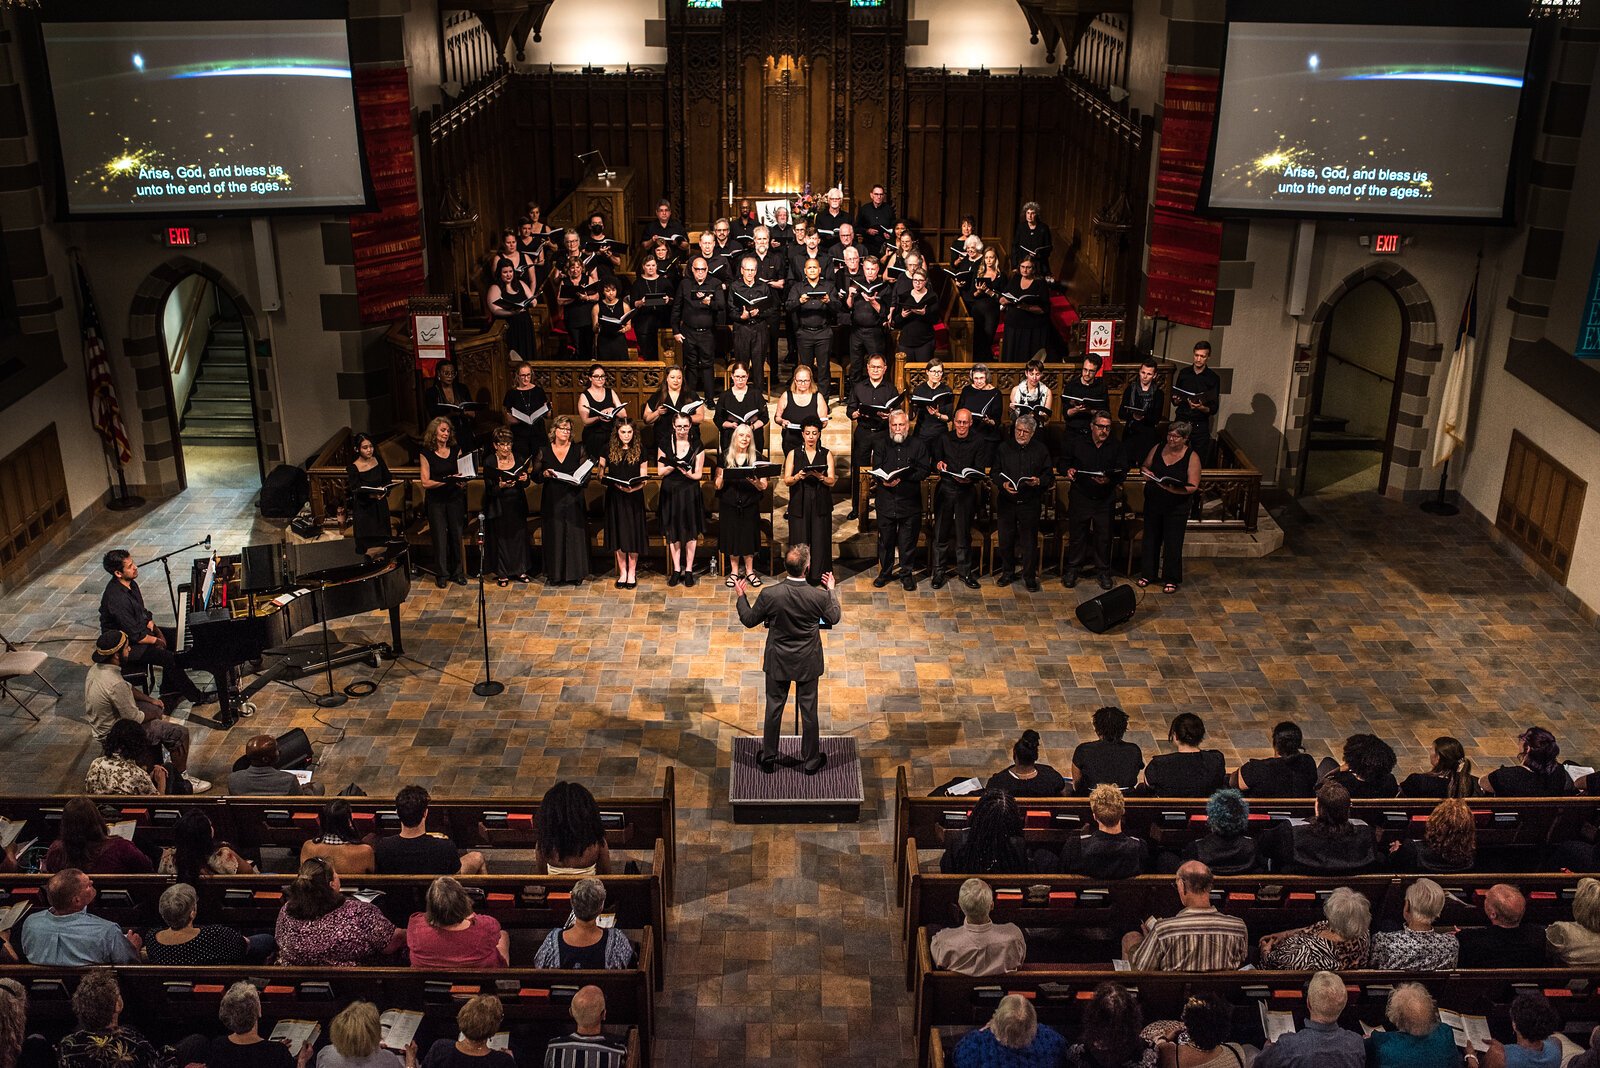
1421	351
145	350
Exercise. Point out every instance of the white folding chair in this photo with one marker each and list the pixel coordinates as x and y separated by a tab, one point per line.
16	663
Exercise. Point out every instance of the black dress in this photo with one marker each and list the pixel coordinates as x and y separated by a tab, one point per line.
526	438
801	415
625	527
749	409
1026	331
566	539
597	435
740	530
447	514
611	339
979	295
683	510
983	403
811	514
520	337
506	508
369	509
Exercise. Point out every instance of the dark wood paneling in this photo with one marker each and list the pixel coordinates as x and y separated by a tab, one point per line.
1540	505
33	498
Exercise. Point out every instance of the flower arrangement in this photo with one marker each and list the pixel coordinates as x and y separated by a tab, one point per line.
806	205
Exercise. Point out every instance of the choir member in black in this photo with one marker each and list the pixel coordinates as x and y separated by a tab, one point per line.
869	307
956	498
875	220
505	507
980	292
611	316
577	292
1031	396
1195	393
683	510
905	460
808	472
801	405
532	237
1172	475
868	407
122	609
1025	310
651	299
526	407
847	269
894	260
624	481
751	309
667	228
780	232
740	405
983	401
599	407
510	252
1081	398
745	223
1032	238
1140	412
813	302
902	285
599	251
444	492
772	268
448	399
563	526
698	311
809	248
739	519
368	480
1023	474
718	270
571	248
845	243
669	264
669	402
933	406
724	245
1096	466
831	217
915	314
960	247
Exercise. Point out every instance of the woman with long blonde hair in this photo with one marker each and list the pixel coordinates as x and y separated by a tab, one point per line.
624	478
741	506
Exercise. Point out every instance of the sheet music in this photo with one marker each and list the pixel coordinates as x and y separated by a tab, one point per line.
183	625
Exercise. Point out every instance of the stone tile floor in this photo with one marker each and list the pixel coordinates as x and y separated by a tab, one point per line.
785	947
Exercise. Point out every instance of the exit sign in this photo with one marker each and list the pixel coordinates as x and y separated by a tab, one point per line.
1386	244
180	236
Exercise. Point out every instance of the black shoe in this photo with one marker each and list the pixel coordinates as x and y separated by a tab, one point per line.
909	582
939	580
767	762
1105	581
970	580
815	764
883	579
1003	579
439	582
688	578
461	580
1031	583
852	514
1070	579
674	578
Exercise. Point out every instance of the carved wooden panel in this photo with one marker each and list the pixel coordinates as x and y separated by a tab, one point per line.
33	498
1540	505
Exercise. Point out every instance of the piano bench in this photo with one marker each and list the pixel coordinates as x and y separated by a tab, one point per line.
142	675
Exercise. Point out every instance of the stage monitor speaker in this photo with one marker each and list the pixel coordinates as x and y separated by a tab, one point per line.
1102	613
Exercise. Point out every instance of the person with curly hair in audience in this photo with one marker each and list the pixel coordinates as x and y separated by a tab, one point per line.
318	927
126	764
1013	1038
1107	759
1576	942
1108	851
991	842
1200	1038
979	946
1449	773
19	1049
478	1020
1367	770
1449	842
1416	1038
1330	844
571	840
1337	942
1225	848
449	934
1538	771
355	1038
1110	1036
100	1040
243	1046
86	843
1417	947
1534	1022
583	943
1026	777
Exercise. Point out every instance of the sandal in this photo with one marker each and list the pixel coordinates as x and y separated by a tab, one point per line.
1142	583
731	581
503	582
754	580
1171	587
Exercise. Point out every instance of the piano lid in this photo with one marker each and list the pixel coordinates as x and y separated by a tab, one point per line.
282	565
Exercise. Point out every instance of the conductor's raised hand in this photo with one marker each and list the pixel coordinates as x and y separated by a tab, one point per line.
740	586
827	580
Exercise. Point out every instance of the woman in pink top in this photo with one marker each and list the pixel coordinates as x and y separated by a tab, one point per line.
451	935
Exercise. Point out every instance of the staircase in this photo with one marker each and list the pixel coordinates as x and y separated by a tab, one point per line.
219	411
1328	432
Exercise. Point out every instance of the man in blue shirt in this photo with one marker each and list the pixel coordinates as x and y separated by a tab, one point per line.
1012	1037
67	936
1321	1042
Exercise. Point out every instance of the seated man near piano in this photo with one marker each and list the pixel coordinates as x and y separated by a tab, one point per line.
108	697
122	608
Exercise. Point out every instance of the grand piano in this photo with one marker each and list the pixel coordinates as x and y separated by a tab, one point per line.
244	609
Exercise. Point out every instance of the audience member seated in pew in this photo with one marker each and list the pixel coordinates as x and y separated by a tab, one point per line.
1589	1058
355	1039
1197	939
979	946
1107	852
1026	777
1224	848
1189	772
1418	1039
243	1046
1338	942
87	844
127	764
196	851
588	1046
1368	768
1449	842
100	1040
478	1020
1538	771
1576	942
1289	772
1417	947
338	842
319	927
1200	1038
261	776
1533	1021
1330	843
1449	773
1111	1034
450	935
1013	1036
18	1048
66	935
183	942
1319	1042
1107	759
571	838
583	943
416	852
1506	942
991	842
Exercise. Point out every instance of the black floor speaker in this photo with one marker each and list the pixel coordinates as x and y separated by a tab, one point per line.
1114	606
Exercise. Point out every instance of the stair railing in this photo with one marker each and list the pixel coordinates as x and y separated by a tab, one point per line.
178	354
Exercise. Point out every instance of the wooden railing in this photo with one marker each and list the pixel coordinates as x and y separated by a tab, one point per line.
178	351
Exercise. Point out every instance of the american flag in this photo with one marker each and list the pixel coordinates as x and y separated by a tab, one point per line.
102	391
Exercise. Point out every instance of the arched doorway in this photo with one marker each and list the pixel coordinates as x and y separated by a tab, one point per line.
167	400
1353	397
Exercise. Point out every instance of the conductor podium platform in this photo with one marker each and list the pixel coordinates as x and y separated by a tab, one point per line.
789	795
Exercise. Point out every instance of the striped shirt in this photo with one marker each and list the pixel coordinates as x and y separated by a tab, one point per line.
584	1051
1195	940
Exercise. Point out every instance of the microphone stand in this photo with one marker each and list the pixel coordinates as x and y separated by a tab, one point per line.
167	568
605	173
488	687
333	698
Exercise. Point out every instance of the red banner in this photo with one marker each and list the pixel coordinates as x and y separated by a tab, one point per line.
1184	248
387	242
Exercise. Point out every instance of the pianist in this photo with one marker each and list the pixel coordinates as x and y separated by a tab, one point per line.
122	608
108	697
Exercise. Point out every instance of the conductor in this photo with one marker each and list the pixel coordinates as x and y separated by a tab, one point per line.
793	611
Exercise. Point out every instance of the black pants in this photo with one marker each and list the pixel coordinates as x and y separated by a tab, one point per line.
953	508
863	444
917	353
897	534
1201	442
815	347
865	341
1163	537
647	328
582	340
174	683
805	699
1089	534
1019	530
985	321
447	520
699	360
750	340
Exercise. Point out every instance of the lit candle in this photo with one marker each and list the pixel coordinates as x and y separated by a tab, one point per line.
730	192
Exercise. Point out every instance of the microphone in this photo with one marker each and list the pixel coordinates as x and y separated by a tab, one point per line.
208	541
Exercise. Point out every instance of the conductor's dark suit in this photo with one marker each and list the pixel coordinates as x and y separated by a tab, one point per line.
792	611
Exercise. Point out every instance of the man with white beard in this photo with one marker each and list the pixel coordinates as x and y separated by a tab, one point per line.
904	460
